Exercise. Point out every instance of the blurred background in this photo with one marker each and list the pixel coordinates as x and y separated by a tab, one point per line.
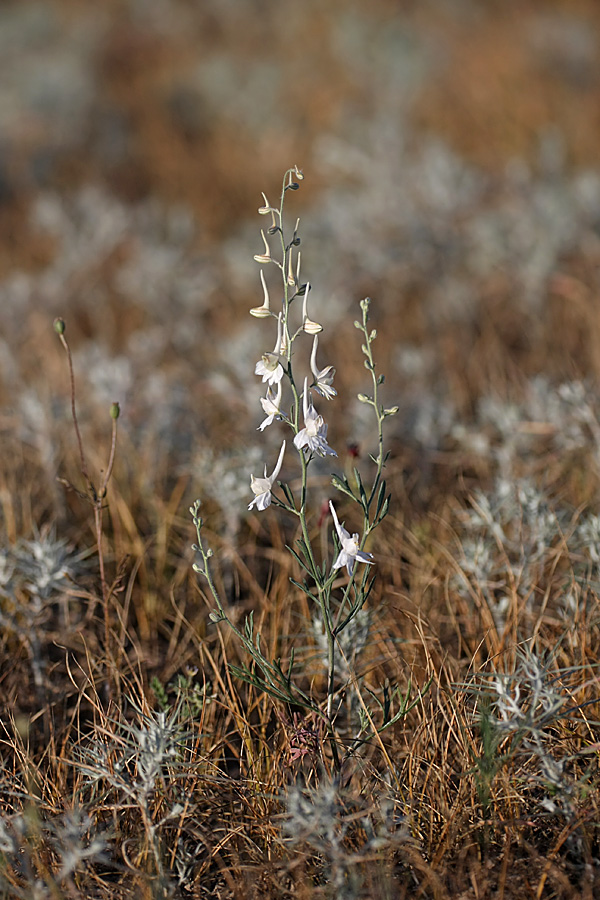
450	153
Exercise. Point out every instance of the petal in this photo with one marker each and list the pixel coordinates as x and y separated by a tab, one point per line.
263	500
363	557
305	399
277	468
265	423
342	533
301	439
342	560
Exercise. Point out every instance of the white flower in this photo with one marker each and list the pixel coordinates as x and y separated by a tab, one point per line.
323	377
271	406
262	486
314	433
349	554
269	365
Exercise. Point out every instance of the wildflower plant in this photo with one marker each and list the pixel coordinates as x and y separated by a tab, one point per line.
337	587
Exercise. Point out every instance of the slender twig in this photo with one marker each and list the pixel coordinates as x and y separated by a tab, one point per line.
93	496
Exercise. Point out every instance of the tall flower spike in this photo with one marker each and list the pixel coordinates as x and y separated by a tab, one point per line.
323	377
271	406
266	256
314	433
349	554
261	312
262	486
307	324
269	366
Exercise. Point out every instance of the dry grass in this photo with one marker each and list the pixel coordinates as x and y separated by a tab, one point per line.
132	762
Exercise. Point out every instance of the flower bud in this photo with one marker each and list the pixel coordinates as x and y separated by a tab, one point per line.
290	275
266	209
311	327
308	325
115	411
266	256
59	326
261	312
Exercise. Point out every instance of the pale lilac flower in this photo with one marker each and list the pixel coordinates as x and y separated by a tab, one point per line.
349	554
262	486
323	377
271	405
269	365
314	433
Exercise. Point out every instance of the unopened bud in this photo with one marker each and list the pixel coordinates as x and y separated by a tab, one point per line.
261	312
290	276
266	256
364	399
59	326
266	209
391	411
115	411
311	327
